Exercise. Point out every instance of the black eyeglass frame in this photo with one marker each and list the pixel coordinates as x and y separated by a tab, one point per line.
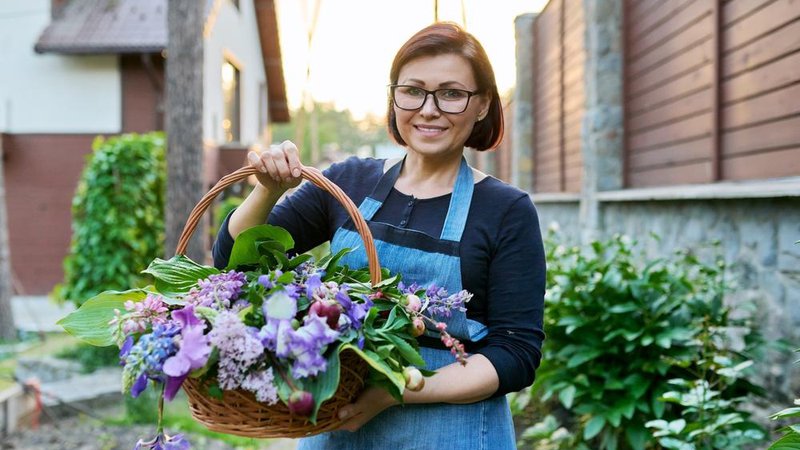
469	93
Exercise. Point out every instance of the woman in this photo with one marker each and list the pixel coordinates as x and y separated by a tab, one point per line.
435	221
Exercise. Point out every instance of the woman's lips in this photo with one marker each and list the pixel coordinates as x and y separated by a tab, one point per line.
430	130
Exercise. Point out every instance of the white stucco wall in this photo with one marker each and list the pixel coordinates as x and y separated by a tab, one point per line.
52	93
235	33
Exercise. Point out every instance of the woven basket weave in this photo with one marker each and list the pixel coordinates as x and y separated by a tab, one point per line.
238	412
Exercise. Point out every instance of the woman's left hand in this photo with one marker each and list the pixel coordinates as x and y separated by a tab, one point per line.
368	405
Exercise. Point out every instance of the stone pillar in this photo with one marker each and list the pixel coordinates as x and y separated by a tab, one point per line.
602	132
522	145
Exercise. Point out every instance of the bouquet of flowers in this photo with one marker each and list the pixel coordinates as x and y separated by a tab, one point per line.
270	327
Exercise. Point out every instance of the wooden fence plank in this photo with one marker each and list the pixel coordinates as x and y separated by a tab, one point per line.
682	86
760	22
674	27
695	173
669	49
776	74
687	60
774	164
771	135
679	153
692	104
762	50
686	129
777	104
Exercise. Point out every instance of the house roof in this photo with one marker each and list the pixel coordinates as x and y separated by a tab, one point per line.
140	26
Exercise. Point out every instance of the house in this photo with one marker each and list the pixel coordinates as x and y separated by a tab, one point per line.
77	69
679	118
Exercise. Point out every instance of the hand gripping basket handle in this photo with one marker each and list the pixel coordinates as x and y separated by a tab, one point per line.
309	173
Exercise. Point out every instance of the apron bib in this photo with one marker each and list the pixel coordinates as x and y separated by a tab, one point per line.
425	260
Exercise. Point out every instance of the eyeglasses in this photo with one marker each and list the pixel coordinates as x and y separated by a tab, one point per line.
448	100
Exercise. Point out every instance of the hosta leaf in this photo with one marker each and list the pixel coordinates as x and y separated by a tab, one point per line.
89	323
177	275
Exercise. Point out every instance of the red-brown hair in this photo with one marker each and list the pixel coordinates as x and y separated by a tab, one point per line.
445	38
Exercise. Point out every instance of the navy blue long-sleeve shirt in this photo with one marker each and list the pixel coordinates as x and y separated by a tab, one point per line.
502	256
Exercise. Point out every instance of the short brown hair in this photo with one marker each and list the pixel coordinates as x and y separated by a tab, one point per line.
444	38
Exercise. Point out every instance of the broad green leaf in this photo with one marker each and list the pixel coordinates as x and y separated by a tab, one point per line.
567	395
246	246
788	412
324	385
405	349
593	427
788	442
637	437
90	322
376	363
177	275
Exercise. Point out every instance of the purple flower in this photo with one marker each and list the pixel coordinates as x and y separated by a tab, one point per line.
140	316
262	384
281	305
218	291
164	442
194	349
145	358
354	311
307	344
441	303
239	349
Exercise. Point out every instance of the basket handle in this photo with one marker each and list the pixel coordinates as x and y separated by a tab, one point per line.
310	173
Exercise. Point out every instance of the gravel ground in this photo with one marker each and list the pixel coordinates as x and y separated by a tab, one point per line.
83	433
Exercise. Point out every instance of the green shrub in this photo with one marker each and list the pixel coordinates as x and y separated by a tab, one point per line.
91	357
631	342
117	216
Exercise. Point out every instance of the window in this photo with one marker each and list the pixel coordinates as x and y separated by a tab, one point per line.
231	102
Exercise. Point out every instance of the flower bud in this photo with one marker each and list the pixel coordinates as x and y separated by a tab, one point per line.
417	327
414	379
301	403
414	303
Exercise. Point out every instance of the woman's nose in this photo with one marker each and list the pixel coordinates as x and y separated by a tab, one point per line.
429	108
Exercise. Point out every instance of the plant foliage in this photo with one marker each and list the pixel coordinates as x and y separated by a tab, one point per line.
117	216
638	352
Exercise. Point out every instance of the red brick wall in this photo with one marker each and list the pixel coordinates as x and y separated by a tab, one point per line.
41	173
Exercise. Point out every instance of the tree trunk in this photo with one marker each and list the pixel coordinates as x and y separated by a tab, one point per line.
184	127
8	331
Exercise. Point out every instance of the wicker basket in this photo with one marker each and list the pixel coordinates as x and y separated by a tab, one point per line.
238	412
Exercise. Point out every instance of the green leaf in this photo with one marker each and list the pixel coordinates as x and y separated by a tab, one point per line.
593	427
567	395
637	437
397	379
788	412
177	275
583	356
324	385
405	349
246	246
788	442
90	322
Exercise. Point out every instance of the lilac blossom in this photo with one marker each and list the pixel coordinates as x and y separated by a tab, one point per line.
262	384
239	349
218	291
145	358
194	349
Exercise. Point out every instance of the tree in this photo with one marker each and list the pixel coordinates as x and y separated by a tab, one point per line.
7	328
184	111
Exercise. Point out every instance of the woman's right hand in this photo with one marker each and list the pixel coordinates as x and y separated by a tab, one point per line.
278	166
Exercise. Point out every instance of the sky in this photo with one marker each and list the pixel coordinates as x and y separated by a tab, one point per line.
355	40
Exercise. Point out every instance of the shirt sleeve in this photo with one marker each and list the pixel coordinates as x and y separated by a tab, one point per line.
515	300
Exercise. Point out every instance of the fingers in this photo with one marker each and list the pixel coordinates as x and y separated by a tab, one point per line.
280	162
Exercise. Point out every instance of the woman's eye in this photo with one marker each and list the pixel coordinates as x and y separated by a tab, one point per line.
416	92
453	94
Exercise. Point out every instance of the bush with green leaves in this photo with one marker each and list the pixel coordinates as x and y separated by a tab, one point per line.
629	341
117	216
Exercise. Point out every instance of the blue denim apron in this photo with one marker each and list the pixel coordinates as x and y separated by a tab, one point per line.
425	260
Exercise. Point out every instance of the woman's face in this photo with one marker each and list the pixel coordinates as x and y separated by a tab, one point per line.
429	131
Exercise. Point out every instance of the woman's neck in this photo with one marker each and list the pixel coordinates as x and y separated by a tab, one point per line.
425	177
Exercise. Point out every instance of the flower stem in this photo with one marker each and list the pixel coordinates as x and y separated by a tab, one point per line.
160	428
281	373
